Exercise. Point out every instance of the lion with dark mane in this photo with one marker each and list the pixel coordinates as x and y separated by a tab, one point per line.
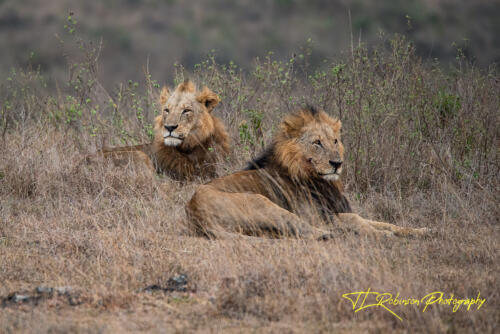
188	139
298	174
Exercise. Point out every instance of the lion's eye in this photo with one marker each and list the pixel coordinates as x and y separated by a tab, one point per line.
336	141
317	142
185	111
166	110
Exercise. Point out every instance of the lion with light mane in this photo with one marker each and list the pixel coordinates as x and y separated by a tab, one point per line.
188	139
297	174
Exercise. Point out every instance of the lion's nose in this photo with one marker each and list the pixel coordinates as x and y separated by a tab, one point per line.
171	127
335	164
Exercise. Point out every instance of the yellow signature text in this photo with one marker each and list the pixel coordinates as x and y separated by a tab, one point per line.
363	300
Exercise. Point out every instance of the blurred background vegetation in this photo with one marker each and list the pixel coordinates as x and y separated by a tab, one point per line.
164	32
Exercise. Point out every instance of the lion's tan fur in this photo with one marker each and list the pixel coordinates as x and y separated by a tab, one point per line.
204	140
293	177
286	150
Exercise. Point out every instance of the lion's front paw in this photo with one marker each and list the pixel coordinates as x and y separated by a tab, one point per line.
422	230
414	232
425	232
385	233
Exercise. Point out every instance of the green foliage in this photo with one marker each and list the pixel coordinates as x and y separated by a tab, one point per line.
251	132
447	105
73	110
246	137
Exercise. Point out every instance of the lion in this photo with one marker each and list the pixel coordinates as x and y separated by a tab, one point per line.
298	173
188	139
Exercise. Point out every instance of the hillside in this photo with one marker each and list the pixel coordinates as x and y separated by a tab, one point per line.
166	32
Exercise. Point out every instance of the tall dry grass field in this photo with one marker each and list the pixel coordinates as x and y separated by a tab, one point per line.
422	150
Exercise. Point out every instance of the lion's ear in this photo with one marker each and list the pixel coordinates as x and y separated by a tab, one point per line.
292	125
337	126
208	98
290	129
165	93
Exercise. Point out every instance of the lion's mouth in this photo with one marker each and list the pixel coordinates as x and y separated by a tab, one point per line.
334	176
171	140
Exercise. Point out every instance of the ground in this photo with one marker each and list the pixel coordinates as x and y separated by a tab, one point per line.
106	235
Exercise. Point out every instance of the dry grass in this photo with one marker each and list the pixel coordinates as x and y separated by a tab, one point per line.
422	151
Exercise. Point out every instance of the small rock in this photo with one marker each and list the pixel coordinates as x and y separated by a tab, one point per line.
40	294
44	290
63	289
151	288
177	283
20	298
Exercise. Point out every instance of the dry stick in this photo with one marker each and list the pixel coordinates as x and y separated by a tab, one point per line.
146	71
350	31
6	125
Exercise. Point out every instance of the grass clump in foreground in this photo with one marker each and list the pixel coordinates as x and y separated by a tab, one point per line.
421	151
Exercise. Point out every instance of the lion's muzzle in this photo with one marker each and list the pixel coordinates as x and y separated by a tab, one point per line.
336	164
171	128
334	174
170	138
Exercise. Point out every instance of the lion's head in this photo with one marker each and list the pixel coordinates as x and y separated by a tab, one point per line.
185	121
308	145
